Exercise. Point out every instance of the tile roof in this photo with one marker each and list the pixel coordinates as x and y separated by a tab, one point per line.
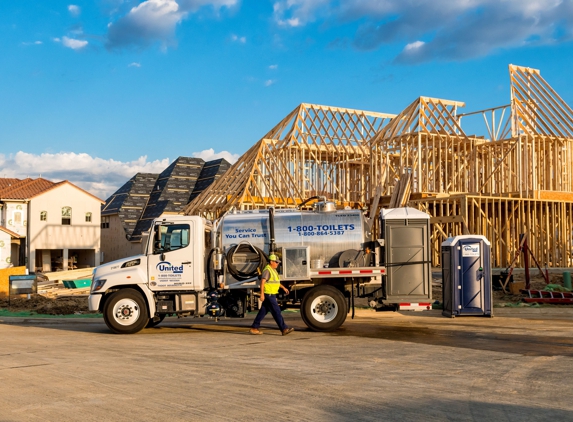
29	188
7	182
25	189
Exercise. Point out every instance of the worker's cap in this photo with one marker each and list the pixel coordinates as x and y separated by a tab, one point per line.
275	258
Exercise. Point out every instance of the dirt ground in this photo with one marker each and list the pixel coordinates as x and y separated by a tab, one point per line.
47	306
79	304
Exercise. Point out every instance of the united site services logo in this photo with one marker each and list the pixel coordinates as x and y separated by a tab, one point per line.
470	250
166	267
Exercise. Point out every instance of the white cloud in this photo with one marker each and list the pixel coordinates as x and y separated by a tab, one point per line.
274	66
98	176
73	43
451	30
101	177
270	82
74	10
134	64
236	38
210	154
293	13
155	21
414	45
33	43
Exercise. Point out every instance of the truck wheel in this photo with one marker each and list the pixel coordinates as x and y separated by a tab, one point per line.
323	308
155	321
125	312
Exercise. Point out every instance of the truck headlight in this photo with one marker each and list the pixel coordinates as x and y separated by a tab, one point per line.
98	284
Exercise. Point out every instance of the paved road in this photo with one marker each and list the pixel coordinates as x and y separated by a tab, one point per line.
390	366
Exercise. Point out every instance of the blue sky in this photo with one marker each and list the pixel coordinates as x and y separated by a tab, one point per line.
96	91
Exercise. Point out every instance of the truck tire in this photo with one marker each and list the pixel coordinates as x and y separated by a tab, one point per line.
323	308
155	321
125	312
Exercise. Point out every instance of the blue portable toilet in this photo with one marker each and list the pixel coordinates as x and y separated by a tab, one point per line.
466	276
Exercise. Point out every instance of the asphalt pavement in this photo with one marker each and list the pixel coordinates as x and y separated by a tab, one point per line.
379	366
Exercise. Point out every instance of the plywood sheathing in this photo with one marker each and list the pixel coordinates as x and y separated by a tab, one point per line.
314	150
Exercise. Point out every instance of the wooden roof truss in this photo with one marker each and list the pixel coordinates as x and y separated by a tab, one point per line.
314	150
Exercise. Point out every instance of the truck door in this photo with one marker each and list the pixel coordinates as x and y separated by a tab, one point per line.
171	257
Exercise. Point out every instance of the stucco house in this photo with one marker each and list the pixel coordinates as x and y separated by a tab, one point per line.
55	226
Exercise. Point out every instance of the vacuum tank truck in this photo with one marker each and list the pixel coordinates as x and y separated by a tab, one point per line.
194	267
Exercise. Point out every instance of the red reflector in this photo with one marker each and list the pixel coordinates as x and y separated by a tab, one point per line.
345	272
324	272
365	271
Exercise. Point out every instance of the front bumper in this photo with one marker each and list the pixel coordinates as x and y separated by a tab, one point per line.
93	301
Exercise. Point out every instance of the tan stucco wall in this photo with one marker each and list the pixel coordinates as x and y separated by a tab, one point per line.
5	249
9	220
51	234
114	244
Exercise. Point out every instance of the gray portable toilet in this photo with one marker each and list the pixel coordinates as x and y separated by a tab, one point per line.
405	235
466	275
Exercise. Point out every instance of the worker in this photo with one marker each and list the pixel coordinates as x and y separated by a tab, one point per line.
270	285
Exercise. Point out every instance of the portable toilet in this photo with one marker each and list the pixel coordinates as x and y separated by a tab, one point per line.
405	234
466	275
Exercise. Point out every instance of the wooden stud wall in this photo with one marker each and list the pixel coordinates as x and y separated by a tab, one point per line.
501	221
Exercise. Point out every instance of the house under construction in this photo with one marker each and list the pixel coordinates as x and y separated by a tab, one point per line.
516	179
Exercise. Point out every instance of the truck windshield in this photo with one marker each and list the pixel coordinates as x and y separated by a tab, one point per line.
173	237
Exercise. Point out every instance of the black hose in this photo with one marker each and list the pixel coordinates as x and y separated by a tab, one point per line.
307	200
241	275
352	299
272	230
209	269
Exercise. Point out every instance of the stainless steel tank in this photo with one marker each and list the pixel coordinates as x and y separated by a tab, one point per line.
327	232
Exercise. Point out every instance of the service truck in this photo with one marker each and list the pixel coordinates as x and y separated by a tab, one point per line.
199	268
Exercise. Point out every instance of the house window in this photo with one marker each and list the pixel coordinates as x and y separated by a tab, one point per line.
17	217
105	222
88	217
43	215
66	216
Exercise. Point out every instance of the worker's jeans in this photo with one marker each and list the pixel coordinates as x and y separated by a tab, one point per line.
270	305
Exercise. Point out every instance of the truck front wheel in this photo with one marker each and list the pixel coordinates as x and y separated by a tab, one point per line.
324	308
125	312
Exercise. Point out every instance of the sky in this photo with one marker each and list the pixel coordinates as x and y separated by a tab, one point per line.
96	91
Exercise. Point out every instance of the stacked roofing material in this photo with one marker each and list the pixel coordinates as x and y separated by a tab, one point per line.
147	196
171	192
211	171
130	200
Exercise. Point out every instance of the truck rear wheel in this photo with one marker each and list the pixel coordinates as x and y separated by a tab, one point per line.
323	308
125	312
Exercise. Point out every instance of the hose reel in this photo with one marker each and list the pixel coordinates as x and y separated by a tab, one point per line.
253	264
